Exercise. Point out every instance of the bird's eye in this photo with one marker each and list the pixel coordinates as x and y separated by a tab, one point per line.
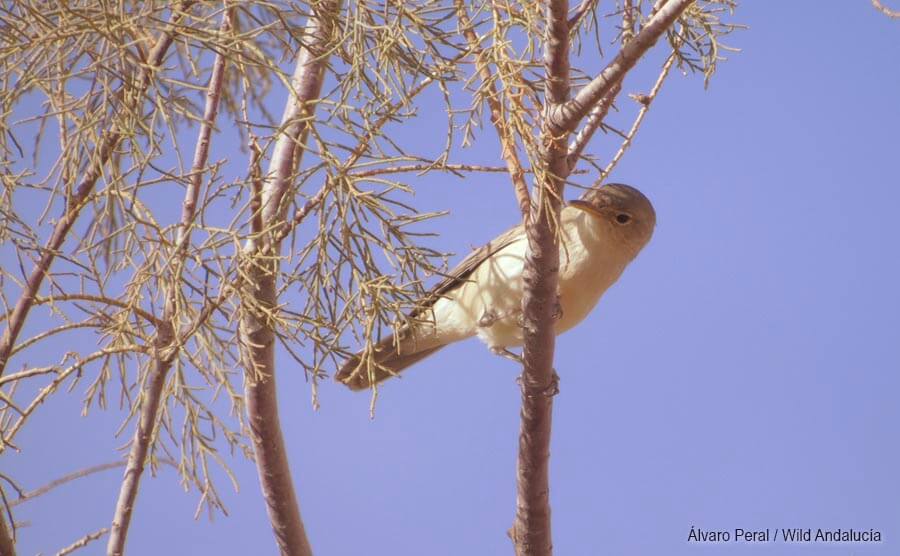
623	218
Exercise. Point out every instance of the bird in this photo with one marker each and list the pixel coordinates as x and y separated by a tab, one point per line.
601	233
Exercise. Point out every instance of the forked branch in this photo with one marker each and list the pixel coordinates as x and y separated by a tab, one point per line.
77	199
259	297
569	115
164	355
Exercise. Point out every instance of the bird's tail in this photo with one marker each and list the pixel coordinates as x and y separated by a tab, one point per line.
388	358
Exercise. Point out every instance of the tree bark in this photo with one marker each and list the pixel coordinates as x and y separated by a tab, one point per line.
531	531
260	291
7	546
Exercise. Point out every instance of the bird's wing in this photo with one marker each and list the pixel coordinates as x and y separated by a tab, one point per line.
389	356
467	266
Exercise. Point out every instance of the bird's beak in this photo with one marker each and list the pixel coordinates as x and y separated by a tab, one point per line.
585	206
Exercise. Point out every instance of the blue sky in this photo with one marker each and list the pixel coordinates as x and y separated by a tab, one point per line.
744	372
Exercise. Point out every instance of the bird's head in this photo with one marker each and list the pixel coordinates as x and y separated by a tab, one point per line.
626	212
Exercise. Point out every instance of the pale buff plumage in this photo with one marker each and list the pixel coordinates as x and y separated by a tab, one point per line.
601	234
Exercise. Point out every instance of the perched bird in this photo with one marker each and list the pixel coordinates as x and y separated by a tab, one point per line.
601	233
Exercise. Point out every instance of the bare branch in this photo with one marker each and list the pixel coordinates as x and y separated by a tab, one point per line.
58	380
571	113
83	541
96	299
25	497
594	121
893	14
87	323
598	113
306	85
35	371
645	102
581	11
430	166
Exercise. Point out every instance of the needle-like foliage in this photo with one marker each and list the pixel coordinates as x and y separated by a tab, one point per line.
157	214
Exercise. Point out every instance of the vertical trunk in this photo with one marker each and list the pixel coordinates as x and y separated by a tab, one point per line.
539	383
262	409
259	292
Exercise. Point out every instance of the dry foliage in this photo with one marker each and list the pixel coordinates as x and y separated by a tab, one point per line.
132	245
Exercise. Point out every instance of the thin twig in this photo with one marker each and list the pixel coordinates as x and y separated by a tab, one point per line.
40	491
580	12
95	299
58	380
598	113
431	166
646	101
594	121
80	194
569	115
27	373
83	541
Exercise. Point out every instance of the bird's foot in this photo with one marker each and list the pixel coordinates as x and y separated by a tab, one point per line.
505	353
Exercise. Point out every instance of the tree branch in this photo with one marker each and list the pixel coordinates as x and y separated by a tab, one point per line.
893	14
259	296
306	85
38	300
57	381
601	109
568	116
594	120
508	146
7	546
77	200
581	11
75	475
434	165
646	101
83	541
531	533
165	352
